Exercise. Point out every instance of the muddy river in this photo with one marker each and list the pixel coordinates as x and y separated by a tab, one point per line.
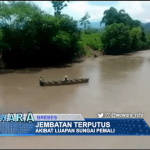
119	84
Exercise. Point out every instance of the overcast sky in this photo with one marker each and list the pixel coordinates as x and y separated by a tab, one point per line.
139	10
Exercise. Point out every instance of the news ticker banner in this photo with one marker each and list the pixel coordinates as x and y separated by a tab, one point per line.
69	125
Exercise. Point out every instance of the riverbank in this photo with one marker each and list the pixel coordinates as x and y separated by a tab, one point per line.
90	54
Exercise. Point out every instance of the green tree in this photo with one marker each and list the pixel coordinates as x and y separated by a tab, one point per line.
40	36
116	39
113	16
16	14
110	16
136	34
84	20
58	6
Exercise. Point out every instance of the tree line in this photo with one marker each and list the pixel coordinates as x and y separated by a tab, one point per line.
32	37
122	34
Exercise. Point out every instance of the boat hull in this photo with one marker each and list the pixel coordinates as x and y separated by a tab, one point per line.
58	83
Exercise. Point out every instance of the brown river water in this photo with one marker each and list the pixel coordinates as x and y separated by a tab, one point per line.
119	84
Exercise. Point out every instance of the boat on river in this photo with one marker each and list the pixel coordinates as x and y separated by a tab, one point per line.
62	82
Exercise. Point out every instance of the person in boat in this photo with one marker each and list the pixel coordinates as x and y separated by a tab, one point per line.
66	79
41	81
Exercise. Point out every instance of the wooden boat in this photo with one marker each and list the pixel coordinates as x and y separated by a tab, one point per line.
61	82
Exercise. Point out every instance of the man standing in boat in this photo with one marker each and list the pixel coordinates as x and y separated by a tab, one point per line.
41	81
66	79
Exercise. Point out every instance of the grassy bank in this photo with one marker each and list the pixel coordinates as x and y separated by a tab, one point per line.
91	42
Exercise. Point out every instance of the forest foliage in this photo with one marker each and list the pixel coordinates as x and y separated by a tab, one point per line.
32	37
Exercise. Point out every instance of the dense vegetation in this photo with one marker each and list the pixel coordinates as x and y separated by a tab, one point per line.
92	38
116	39
31	37
34	38
122	33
